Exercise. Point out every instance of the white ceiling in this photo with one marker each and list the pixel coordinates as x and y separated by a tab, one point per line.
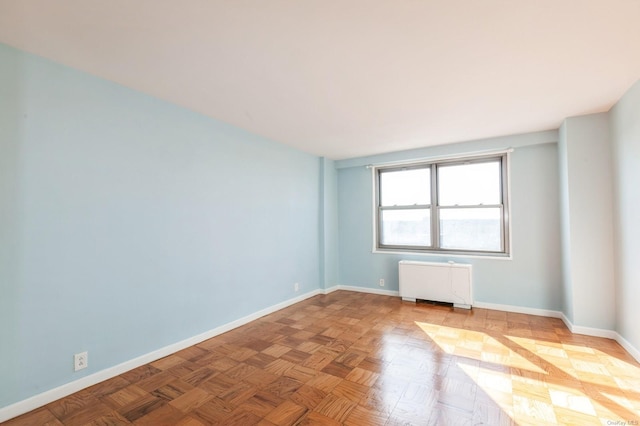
346	78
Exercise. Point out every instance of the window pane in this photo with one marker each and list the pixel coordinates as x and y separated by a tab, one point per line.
470	229
406	227
469	184
405	187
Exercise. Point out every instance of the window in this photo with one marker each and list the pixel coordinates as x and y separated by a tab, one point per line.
450	206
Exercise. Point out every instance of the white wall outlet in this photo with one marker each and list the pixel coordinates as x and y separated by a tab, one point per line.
80	361
381	282
296	287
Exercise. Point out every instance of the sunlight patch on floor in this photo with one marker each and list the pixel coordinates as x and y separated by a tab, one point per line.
544	381
476	345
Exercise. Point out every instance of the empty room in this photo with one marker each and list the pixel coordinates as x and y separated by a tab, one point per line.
416	212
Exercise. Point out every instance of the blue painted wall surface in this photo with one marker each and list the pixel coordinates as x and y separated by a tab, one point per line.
625	135
588	242
127	223
329	223
565	222
531	279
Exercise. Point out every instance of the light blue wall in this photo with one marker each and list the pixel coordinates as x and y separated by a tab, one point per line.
531	279
565	223
127	223
587	202
625	135
11	322
329	223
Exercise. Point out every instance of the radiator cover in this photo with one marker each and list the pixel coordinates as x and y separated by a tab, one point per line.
442	282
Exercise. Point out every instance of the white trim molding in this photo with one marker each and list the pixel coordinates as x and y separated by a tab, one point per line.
576	329
599	332
589	331
37	401
519	309
44	398
362	290
633	351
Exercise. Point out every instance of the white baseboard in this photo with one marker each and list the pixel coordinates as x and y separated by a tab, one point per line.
331	289
599	332
589	331
519	309
577	329
362	290
44	398
634	352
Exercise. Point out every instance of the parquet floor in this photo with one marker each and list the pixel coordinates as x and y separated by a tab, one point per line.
361	359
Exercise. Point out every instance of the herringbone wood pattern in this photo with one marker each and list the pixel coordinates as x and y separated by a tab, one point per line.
361	359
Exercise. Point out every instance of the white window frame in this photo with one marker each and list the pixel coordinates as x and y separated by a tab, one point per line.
435	250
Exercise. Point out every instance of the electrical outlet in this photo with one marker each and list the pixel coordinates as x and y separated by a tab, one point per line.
296	287
381	282
80	361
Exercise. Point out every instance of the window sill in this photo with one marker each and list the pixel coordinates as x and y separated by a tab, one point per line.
445	254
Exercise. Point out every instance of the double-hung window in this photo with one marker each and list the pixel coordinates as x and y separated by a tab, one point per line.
457	206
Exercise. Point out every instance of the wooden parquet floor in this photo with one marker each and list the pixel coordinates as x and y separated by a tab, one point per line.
362	359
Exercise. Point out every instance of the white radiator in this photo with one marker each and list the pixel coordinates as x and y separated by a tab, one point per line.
440	282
